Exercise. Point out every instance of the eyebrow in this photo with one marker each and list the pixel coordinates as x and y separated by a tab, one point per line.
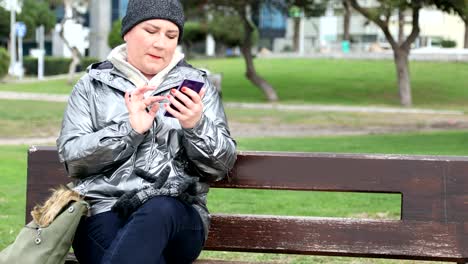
156	27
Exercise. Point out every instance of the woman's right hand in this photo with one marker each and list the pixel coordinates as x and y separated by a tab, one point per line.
141	120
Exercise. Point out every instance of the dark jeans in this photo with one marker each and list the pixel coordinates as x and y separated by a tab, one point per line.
163	230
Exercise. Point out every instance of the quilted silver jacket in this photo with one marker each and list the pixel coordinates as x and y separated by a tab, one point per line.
100	149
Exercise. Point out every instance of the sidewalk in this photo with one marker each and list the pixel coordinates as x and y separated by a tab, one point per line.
275	106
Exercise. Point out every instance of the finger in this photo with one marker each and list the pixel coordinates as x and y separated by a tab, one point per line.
187	101
182	108
194	96
202	93
154	109
127	99
153	99
139	92
173	112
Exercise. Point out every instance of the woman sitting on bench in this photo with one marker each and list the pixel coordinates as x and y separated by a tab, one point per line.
141	151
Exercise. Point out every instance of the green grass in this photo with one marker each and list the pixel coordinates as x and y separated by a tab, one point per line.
59	86
13	171
30	118
361	82
438	143
12	192
324	81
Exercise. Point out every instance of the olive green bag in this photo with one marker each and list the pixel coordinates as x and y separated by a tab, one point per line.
46	245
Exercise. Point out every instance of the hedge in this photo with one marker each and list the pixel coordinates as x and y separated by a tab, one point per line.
4	62
54	65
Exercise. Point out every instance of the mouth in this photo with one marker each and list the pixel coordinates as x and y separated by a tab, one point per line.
154	57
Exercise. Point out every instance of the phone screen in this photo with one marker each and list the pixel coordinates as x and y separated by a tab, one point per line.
193	85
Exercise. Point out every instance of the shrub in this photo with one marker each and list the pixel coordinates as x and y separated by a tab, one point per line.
229	30
193	32
4	62
114	39
447	43
54	65
86	61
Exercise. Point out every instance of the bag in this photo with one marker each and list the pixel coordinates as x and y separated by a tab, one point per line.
48	238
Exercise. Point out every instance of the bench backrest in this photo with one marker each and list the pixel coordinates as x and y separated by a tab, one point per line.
434	209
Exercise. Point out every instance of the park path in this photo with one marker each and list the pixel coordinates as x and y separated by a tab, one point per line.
265	129
276	106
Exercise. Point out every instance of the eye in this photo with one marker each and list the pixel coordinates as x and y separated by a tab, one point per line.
150	31
172	36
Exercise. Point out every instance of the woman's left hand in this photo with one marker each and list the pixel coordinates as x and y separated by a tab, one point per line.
191	108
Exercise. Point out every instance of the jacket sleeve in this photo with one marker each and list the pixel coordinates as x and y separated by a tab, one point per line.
209	144
86	151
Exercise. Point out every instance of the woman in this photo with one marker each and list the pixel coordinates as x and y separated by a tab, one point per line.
144	174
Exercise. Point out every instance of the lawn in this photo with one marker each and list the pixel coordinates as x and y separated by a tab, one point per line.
355	82
30	118
13	169
324	81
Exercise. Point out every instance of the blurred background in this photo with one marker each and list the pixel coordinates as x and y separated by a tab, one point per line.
349	76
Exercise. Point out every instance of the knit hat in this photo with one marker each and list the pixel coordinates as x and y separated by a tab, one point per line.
141	10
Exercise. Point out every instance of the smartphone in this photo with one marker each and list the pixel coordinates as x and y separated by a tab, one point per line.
191	84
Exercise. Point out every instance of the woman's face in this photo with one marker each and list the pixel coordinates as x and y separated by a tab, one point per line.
151	45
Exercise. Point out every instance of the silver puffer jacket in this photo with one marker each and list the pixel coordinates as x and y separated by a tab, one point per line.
100	149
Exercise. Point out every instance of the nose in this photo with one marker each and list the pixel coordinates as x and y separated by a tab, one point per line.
159	41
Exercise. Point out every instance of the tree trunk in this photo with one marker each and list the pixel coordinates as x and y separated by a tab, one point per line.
401	26
297	28
403	76
466	34
251	73
317	32
346	20
76	56
74	64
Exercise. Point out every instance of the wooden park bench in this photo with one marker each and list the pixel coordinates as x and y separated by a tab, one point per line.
434	204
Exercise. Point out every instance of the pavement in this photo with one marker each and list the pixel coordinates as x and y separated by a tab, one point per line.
276	106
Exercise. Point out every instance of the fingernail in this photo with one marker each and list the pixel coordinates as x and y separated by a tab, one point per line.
173	91
165	105
169	97
184	89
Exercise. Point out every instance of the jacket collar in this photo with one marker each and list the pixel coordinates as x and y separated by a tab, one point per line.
109	75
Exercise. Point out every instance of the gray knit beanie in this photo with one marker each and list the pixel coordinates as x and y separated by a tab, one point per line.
141	10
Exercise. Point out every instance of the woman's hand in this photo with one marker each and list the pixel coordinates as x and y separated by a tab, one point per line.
191	108
141	119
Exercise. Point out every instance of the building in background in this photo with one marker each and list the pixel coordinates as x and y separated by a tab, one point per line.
90	34
271	23
326	33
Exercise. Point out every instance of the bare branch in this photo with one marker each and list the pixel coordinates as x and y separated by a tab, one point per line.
379	22
415	30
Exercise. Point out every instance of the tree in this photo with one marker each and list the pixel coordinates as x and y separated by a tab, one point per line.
193	33
4	23
243	9
299	9
114	39
459	7
72	9
346	20
380	15
228	29
33	13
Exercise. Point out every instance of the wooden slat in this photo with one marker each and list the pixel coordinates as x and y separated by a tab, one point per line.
337	237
